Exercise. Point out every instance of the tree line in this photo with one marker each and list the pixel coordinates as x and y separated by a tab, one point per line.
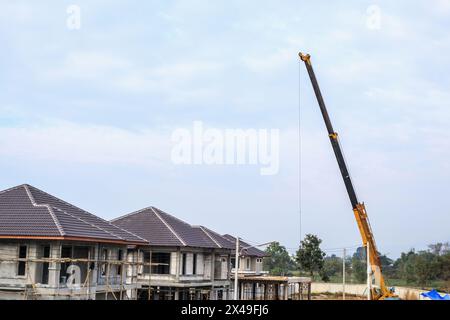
424	268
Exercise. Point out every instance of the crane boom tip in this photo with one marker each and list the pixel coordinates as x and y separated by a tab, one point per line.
304	57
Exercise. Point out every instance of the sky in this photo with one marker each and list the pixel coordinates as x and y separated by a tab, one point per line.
87	111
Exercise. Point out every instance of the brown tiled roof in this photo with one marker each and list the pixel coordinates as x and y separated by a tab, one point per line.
219	239
248	249
163	229
26	211
149	225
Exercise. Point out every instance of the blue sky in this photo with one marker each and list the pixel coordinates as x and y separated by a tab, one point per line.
87	114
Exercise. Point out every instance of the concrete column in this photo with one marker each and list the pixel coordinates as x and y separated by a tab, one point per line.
95	271
212	295
54	267
242	291
309	291
213	264
213	267
32	267
229	267
177	275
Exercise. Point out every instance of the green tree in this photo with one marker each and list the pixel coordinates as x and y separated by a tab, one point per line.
442	252
279	261
445	269
426	267
348	267
309	256
439	249
404	267
332	266
359	268
359	265
421	267
387	266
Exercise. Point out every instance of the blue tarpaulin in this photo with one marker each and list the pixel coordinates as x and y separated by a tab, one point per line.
434	295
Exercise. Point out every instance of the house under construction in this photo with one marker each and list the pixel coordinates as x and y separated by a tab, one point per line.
193	260
51	249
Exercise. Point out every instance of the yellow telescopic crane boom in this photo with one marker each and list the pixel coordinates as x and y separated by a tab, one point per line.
380	291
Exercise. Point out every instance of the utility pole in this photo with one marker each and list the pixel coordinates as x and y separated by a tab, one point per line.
343	274
236	265
369	274
236	269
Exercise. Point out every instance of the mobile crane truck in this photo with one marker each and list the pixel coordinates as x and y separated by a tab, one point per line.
379	291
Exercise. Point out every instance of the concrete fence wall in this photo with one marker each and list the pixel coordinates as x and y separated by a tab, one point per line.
360	290
356	289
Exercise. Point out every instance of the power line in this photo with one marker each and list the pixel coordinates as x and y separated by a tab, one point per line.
335	249
299	157
254	243
332	249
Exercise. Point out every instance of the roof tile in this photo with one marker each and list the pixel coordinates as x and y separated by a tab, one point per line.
28	211
163	229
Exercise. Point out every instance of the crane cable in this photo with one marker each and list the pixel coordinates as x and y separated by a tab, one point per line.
299	158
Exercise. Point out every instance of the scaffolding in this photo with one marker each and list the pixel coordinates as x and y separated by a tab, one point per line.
126	279
123	285
273	288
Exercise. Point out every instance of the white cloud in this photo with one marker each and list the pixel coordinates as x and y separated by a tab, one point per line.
187	70
417	100
15	11
359	68
167	77
441	6
269	62
176	81
183	62
88	65
85	144
266	23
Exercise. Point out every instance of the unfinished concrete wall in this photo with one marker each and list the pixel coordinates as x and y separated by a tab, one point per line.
108	274
48	279
224	267
250	265
207	263
189	263
257	265
9	273
200	264
355	289
199	274
174	262
200	280
404	293
33	271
